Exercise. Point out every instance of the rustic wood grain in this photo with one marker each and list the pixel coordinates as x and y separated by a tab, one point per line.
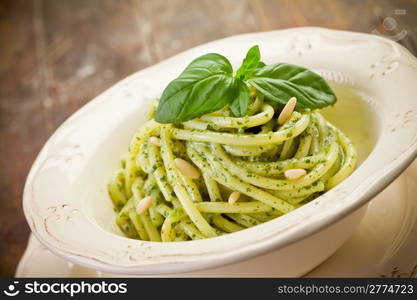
21	124
176	25
57	55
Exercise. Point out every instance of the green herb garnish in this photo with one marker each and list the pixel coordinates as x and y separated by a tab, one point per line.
208	84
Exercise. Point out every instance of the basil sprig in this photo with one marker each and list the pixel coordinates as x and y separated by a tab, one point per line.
249	65
207	84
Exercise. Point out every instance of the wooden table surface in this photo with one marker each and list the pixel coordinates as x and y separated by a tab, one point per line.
55	56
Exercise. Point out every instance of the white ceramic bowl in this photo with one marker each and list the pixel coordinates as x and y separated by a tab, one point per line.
68	209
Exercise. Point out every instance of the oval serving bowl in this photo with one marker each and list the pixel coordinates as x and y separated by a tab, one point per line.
65	198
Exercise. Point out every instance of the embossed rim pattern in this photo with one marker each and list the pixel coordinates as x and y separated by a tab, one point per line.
376	64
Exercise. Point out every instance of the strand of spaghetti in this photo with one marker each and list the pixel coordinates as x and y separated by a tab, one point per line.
315	142
349	161
321	125
150	188
212	188
223	176
272	154
123	215
262	217
335	168
304	145
137	188
196	124
221	122
116	190
138	224
254	106
226	225
163	209
142	159
191	230
129	230
288	149
155	216
220	119
178	185
265	216
235	208
295	126
266	114
167	230
191	188
130	173
180	235
296	200
244	220
153	233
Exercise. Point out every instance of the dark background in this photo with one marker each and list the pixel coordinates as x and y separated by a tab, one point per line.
56	55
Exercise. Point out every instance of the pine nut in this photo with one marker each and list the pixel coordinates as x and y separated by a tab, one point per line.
155	141
234	197
144	204
295	173
287	110
186	168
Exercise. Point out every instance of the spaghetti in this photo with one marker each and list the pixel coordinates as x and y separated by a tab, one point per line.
175	182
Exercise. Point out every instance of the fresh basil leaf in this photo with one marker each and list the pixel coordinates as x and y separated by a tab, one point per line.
239	105
260	65
206	85
249	64
279	82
